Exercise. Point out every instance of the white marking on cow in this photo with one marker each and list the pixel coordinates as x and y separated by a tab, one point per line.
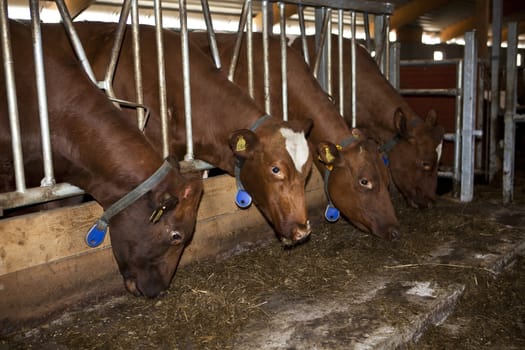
296	146
439	148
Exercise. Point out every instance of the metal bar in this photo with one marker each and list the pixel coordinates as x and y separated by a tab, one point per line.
379	28
185	49
328	49
12	104
211	33
300	11
404	63
137	66
194	165
238	41
115	49
266	59
249	51
366	24
162	77
38	195
494	164
386	59
354	73
284	63
479	121
340	30
395	54
456	183
49	177
509	138
75	40
436	92
469	113
321	76
374	7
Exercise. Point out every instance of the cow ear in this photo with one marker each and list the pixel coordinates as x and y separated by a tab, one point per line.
328	154
400	122
243	143
304	125
431	118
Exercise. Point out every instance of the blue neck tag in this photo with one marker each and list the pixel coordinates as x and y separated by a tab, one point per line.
243	199
96	234
331	213
384	156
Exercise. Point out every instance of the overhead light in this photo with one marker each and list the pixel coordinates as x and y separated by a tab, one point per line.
438	55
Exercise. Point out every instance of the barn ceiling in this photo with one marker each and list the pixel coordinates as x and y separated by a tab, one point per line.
442	20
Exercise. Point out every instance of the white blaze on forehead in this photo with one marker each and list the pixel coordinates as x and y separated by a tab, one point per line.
439	148
296	146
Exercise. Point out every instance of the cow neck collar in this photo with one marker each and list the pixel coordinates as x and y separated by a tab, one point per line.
386	147
96	234
331	213
243	198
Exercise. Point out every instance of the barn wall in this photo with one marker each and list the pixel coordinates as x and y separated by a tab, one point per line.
45	265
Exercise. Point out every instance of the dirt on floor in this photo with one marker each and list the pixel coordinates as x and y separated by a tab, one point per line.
210	304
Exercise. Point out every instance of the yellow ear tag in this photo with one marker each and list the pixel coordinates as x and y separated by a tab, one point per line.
241	144
328	156
339	147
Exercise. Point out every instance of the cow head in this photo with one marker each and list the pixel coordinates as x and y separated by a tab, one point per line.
276	162
148	247
358	185
414	159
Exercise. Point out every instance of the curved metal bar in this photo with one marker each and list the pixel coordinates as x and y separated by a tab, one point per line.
49	177
139	87
238	41
321	44
211	33
366	23
306	54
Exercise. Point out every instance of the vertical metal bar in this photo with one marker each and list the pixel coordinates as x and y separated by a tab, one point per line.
379	27
494	163
366	23
75	40
238	41
394	63
249	51
386	59
328	48
115	49
340	32
137	65
12	104
478	144
266	58
162	77
321	52
456	176
354	74
469	113
300	11
284	77
49	178
185	49
211	33
510	109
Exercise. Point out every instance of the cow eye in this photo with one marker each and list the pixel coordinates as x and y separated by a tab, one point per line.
276	170
365	183
175	236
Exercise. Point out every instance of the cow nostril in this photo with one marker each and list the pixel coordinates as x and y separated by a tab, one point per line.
131	286
394	235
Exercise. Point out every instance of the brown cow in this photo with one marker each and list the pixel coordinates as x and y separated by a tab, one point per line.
358	181
413	144
96	149
274	154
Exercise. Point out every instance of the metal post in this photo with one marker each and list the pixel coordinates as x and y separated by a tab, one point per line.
494	159
161	77
284	63
139	92
354	73
321	23
393	70
510	109
266	59
456	176
185	49
366	23
469	114
238	41
249	51
211	33
300	11
386	59
12	104
49	177
340	26
379	27
328	48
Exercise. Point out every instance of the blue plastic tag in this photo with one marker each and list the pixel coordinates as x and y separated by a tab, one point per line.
96	234
384	156
243	199
331	213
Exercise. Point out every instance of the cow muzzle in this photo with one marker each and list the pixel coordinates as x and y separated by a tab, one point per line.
299	234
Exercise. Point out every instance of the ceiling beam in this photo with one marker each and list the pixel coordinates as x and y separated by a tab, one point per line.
75	7
457	29
410	11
